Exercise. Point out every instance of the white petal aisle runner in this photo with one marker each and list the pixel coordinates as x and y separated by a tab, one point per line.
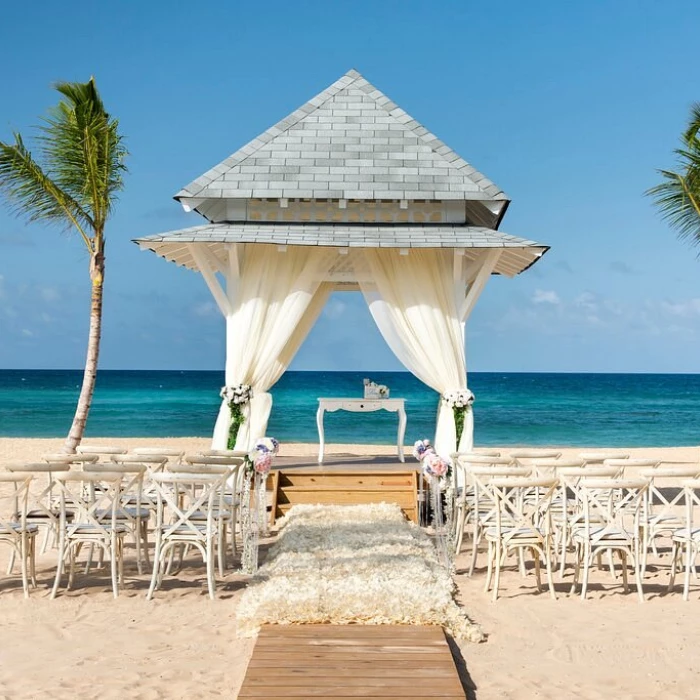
352	564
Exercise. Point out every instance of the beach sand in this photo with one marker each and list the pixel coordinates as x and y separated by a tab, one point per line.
85	644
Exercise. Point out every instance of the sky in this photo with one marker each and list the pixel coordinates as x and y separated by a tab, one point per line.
569	107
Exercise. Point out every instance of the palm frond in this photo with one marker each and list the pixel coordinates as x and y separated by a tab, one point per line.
84	150
677	197
33	193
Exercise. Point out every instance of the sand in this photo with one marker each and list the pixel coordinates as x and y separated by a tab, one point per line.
85	644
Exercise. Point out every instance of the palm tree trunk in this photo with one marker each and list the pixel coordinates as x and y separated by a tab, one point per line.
97	271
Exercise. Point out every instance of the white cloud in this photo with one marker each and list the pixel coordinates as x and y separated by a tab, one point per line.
49	294
205	309
27	333
542	296
334	309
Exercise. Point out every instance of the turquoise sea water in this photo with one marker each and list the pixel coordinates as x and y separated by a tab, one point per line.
511	408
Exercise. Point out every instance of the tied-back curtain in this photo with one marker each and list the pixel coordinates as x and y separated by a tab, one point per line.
413	300
279	296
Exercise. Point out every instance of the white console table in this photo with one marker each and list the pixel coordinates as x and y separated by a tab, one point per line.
361	406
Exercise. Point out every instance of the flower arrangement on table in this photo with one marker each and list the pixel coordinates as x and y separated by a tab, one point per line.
436	469
257	466
460	401
237	397
375	391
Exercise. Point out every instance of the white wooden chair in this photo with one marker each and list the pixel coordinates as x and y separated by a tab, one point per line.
522	522
90	503
75	460
612	512
686	540
42	510
132	511
477	506
102	450
550	466
181	499
568	512
15	531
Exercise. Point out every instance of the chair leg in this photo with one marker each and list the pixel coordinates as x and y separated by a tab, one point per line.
24	545
221	549
489	572
538	576
60	564
138	535
562	551
113	561
587	557
210	567
475	549
674	561
497	576
158	563
688	560
11	562
623	562
32	561
550	579
638	579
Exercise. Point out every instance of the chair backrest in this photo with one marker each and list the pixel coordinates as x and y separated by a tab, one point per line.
14	492
548	466
600	457
212	460
184	494
612	508
535	454
171	452
664	502
101	450
523	505
469	459
61	458
36	467
222	453
691	488
154	462
483	495
627	463
483	451
94	499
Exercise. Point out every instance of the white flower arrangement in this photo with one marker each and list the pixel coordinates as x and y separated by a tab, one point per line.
361	564
461	398
238	394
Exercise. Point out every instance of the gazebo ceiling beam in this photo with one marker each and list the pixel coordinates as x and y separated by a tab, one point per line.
202	259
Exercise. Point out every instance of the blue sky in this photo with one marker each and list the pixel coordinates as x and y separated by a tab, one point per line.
569	107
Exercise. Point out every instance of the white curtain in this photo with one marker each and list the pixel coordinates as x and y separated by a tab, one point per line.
413	300
279	296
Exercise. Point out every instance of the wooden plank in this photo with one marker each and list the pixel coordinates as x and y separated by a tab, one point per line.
352	661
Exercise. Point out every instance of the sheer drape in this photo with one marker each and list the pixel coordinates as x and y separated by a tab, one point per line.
279	296
413	300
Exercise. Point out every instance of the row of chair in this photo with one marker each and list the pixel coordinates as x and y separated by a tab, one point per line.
552	507
95	499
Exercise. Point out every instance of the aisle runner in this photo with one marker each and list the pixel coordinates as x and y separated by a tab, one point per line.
349	564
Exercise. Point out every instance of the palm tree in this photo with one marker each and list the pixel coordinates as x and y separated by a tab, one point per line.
678	196
73	184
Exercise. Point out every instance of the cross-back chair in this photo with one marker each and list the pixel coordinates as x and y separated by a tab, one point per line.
522	522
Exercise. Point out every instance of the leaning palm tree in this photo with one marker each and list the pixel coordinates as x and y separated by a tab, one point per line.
73	184
678	196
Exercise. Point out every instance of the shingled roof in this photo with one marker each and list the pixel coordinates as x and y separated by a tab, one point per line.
517	254
348	142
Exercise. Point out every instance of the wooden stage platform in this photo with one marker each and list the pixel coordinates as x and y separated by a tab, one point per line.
409	662
344	480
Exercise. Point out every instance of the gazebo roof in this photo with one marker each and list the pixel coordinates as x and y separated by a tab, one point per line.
348	142
517	254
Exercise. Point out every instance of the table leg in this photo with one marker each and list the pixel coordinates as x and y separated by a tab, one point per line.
402	432
321	437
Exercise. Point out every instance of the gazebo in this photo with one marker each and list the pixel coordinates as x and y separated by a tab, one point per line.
348	192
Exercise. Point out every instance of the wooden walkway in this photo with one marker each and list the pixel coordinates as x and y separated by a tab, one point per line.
352	661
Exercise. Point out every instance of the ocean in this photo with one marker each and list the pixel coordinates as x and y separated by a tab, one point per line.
630	410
